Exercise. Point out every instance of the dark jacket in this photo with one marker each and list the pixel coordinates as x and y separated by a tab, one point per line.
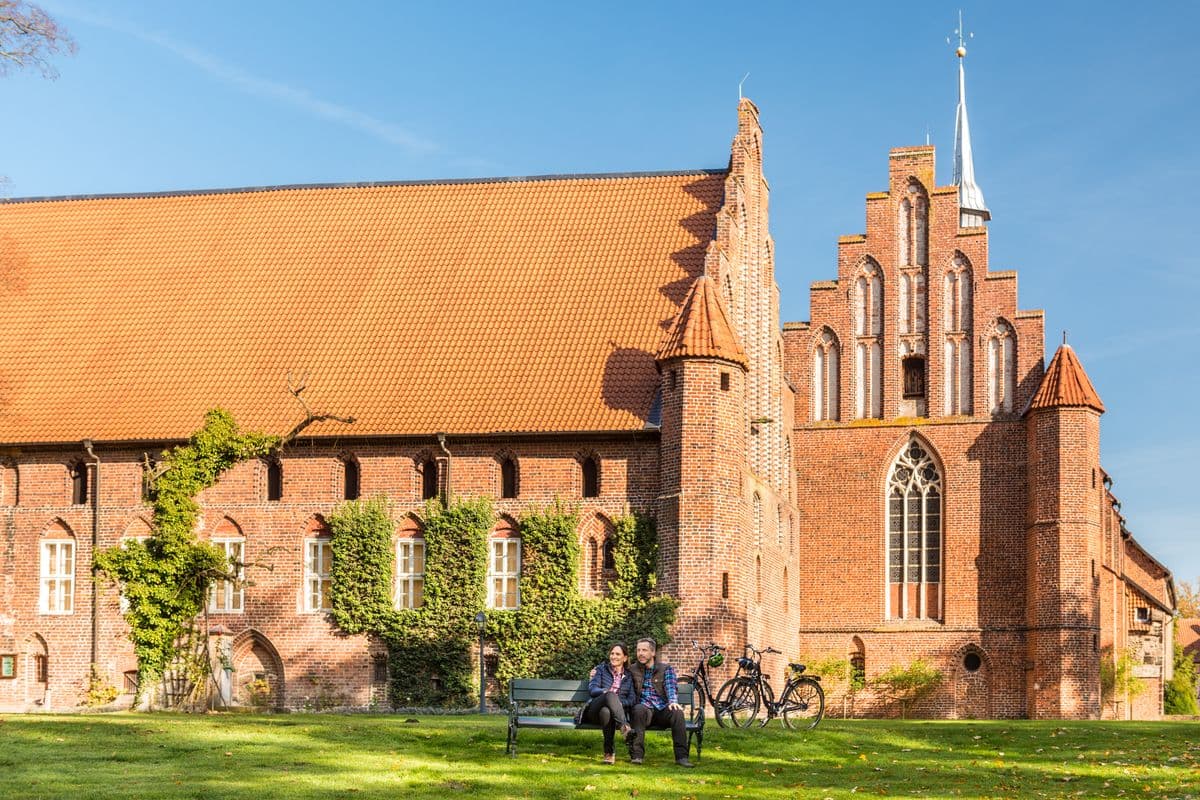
602	681
658	678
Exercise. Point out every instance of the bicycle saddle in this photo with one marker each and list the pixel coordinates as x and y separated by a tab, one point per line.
797	668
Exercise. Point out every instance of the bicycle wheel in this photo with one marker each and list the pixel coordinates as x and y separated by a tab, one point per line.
738	700
803	704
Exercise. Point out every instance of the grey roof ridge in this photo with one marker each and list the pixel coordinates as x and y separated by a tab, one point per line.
364	185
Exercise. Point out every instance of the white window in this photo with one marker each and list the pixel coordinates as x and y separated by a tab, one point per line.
58	577
504	573
225	597
410	573
318	565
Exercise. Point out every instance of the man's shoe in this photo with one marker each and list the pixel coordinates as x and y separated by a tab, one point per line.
683	762
635	759
610	758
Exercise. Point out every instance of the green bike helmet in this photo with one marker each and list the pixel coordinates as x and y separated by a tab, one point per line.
716	659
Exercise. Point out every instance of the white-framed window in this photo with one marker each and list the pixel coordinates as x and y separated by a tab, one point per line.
318	569
225	597
504	573
58	577
410	573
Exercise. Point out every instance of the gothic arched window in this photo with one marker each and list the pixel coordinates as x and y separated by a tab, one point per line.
914	535
1001	356
956	304
868	349
825	377
508	478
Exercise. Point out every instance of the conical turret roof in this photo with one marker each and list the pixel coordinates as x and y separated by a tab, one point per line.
1066	384
702	328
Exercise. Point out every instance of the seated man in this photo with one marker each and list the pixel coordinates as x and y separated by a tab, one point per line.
657	706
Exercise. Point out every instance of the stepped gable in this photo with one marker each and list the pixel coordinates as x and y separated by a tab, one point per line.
471	307
1066	384
702	329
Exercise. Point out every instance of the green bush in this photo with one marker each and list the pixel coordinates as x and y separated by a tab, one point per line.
908	684
554	633
1179	695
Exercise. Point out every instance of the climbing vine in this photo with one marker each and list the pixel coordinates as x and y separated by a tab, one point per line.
554	633
165	578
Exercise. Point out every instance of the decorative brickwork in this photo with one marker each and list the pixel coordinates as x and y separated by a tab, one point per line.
611	341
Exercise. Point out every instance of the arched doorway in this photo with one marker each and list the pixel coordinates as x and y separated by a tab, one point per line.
972	687
36	670
257	679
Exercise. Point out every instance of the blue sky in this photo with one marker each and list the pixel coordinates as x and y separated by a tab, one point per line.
1084	119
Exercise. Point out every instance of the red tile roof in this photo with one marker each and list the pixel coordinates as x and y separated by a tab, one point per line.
1189	636
1066	384
465	307
703	329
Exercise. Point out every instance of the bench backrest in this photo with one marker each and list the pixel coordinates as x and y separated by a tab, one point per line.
538	690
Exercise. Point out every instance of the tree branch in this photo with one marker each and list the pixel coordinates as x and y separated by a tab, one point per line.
296	389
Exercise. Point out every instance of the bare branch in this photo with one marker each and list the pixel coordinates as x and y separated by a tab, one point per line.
296	389
29	37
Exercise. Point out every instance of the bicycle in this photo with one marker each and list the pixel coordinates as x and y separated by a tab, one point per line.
802	704
711	655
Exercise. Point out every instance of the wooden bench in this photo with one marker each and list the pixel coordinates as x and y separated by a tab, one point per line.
527	694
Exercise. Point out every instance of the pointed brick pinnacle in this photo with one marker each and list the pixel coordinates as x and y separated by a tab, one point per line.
1066	384
702	329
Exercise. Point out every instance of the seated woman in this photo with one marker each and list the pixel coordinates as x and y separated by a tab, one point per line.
611	687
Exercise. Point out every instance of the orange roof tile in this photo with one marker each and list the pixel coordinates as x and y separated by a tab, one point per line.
702	329
1066	384
1189	635
465	307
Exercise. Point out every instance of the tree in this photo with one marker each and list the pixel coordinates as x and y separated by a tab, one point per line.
29	37
1188	598
1179	695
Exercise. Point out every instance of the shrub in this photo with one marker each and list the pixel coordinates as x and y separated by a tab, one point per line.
908	684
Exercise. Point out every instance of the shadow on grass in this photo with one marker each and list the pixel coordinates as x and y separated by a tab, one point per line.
310	756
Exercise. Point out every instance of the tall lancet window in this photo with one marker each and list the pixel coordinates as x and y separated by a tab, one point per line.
868	347
1002	370
912	227
825	377
956	305
914	535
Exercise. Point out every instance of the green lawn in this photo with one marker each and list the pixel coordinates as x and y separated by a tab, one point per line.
304	755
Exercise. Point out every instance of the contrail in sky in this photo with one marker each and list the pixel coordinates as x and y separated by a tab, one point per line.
259	87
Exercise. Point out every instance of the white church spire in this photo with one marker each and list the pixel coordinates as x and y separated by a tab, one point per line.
972	210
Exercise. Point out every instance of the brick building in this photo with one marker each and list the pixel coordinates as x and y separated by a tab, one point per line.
897	478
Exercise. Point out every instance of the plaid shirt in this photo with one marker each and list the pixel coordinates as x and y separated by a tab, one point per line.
651	698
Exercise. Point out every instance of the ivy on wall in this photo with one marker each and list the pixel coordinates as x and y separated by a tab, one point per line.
555	633
165	578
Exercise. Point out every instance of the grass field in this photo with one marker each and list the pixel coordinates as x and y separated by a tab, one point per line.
303	755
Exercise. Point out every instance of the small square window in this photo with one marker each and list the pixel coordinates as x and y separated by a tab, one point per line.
1142	614
8	666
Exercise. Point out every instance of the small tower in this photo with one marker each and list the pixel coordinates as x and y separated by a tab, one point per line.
703	449
973	211
1063	541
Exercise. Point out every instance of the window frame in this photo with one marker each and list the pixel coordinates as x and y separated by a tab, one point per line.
321	579
8	666
64	582
909	482
230	589
512	543
406	581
